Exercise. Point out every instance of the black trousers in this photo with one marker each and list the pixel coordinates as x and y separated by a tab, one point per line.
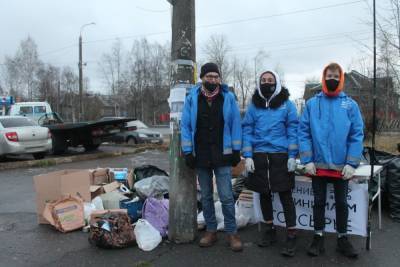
342	212
287	204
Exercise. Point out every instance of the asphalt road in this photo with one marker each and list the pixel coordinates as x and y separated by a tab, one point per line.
25	243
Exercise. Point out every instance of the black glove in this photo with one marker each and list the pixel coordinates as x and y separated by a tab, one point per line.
190	161
235	158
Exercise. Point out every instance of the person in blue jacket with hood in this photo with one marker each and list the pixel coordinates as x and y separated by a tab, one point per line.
331	143
270	148
211	139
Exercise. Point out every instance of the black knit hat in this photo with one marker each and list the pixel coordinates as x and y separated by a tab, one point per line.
208	67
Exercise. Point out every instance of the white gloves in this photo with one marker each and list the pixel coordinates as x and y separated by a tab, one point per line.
249	165
291	165
310	168
348	172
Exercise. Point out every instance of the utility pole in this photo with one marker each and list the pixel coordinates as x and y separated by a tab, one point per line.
80	79
81	72
183	193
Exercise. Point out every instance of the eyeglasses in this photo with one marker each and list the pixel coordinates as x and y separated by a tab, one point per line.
210	76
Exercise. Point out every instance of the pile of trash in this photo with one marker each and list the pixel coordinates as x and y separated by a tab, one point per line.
118	207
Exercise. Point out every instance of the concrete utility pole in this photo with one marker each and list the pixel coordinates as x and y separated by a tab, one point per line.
81	72
183	193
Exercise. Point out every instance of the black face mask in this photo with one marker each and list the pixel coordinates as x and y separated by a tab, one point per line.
332	84
210	86
267	89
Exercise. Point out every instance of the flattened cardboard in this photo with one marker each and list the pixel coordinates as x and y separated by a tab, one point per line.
53	186
111	187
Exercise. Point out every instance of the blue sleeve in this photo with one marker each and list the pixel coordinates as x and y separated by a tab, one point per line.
304	136
355	138
248	125
292	124
236	129
186	127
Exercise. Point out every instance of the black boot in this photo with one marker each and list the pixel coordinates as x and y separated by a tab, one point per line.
268	238
317	246
290	247
346	248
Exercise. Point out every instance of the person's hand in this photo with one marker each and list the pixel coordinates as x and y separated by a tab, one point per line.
348	172
291	164
235	158
249	165
190	160
310	168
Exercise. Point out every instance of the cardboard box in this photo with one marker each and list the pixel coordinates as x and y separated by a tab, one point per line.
53	186
96	190
100	176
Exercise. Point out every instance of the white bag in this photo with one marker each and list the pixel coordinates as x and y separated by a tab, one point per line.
88	208
244	213
147	237
152	186
98	203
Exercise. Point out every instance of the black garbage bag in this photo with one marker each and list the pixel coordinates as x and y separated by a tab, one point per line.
393	183
146	171
381	158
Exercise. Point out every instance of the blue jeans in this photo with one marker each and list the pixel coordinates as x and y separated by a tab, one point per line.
224	187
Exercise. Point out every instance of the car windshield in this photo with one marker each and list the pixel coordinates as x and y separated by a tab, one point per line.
138	124
16	122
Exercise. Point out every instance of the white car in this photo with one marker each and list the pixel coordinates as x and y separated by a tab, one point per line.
20	135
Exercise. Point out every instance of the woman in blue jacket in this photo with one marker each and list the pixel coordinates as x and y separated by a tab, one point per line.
270	148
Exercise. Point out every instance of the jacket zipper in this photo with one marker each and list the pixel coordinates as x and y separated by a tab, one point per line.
269	183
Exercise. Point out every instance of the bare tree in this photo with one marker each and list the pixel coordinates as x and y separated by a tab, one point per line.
243	80
48	79
216	50
112	65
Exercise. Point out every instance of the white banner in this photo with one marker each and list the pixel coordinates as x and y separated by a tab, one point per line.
357	200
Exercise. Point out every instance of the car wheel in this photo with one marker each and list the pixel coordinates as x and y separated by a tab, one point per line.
39	155
91	147
131	140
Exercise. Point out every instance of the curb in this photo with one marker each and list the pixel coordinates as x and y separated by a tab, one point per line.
75	158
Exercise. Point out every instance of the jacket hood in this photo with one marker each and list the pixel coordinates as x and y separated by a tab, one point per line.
338	89
278	87
275	102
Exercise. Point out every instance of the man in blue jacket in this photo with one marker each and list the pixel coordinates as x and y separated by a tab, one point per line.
211	142
330	144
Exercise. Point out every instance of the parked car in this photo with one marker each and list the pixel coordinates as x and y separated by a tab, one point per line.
136	132
20	135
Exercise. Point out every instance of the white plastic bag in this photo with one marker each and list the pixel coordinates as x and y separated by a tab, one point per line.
88	208
147	237
98	203
244	213
152	186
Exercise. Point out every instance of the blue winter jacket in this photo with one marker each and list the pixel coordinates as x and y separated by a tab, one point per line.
232	139
331	132
270	130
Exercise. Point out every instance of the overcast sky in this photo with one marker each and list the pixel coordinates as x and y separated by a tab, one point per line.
300	36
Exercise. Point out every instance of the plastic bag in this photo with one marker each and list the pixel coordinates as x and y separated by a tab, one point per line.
88	208
98	203
146	171
147	237
154	186
244	213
